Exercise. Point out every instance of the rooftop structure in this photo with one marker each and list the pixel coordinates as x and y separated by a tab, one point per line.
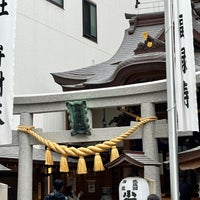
134	62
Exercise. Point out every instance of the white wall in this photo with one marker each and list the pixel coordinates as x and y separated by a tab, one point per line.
49	39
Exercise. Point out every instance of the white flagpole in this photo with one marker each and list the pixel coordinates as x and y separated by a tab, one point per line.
172	132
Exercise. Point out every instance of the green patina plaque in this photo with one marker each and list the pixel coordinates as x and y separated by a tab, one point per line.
77	116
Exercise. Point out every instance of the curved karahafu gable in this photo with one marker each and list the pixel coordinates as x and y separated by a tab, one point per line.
137	60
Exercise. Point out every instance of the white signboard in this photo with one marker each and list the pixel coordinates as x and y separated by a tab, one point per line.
133	188
3	191
7	45
185	79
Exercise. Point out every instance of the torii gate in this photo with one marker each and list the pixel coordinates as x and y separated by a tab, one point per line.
144	94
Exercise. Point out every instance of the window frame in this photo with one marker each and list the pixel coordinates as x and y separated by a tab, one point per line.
85	29
57	4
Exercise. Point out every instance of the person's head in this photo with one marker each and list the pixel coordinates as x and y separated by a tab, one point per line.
58	185
69	190
153	197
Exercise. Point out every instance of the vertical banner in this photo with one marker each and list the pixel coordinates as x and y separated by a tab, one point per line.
185	78
7	46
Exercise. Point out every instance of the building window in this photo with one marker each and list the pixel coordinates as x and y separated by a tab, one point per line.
59	3
89	20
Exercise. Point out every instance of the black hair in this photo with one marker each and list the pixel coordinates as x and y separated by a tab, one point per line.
153	197
58	184
69	190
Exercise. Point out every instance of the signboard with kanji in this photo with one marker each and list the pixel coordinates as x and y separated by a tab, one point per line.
133	188
7	47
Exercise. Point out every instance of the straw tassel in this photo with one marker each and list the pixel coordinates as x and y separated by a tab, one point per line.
48	157
64	164
81	169
98	164
114	153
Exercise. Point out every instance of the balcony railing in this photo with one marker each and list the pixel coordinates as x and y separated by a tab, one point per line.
146	6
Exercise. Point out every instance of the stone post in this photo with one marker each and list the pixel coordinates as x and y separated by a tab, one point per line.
25	163
150	146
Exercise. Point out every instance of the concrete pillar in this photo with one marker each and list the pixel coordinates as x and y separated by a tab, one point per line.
150	146
25	163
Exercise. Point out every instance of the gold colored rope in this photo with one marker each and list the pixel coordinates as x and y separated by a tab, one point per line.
83	151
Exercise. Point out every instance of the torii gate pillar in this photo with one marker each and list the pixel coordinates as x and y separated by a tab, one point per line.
25	165
150	146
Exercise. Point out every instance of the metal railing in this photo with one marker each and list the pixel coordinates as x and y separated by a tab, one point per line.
146	6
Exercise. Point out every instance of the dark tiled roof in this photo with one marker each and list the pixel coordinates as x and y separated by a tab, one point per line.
125	63
134	158
189	159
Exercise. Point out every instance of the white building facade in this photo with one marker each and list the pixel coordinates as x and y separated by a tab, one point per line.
50	39
52	36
